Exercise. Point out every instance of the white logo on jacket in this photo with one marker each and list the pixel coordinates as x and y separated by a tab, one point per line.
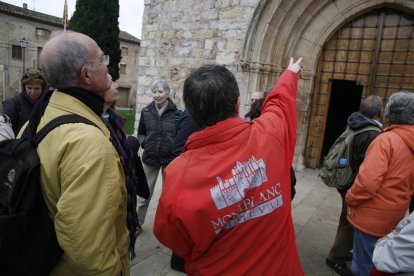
247	175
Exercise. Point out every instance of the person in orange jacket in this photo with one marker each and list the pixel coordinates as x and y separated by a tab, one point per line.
380	195
225	205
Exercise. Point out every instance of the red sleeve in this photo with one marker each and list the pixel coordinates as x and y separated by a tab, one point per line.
279	116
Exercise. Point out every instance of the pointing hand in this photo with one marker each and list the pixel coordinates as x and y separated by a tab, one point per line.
295	66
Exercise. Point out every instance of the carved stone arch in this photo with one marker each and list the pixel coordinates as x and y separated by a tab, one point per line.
285	28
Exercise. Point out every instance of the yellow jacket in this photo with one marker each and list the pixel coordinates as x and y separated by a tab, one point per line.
83	185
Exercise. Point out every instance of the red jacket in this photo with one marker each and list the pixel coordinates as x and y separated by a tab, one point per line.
225	205
380	195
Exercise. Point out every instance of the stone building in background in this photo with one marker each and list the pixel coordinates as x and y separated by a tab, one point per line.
35	27
351	49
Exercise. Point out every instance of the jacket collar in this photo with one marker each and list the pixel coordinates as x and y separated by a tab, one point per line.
171	105
70	104
223	131
357	121
406	132
89	98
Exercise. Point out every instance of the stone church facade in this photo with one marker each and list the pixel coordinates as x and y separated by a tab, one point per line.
351	49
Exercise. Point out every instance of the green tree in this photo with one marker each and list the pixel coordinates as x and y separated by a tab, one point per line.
99	20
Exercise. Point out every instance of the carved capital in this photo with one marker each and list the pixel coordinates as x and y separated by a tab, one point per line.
258	67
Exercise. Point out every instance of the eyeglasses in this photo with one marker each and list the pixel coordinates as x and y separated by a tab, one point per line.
104	59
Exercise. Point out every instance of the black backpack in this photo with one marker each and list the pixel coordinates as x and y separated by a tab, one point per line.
28	243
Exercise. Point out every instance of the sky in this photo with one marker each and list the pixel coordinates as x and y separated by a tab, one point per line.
130	11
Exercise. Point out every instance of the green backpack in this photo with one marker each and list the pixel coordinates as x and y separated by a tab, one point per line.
336	169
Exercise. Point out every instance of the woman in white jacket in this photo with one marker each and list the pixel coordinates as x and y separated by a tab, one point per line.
395	252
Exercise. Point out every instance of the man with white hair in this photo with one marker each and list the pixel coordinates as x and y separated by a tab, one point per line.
380	195
82	179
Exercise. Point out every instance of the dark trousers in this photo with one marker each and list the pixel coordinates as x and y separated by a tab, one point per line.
344	239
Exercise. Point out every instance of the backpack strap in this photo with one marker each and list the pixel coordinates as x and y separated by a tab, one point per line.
177	119
368	128
64	119
362	130
16	107
13	104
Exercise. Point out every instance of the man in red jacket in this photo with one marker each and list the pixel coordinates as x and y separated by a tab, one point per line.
225	205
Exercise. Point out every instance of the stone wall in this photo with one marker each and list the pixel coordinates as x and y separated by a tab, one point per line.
128	80
181	35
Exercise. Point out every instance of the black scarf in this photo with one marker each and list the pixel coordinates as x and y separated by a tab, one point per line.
90	99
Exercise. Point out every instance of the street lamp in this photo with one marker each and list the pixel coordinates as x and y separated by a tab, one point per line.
23	45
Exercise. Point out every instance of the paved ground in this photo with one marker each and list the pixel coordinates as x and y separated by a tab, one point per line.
315	212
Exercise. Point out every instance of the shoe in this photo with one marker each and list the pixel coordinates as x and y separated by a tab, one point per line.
341	269
177	263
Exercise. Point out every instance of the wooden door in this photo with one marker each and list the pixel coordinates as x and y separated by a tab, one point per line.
374	50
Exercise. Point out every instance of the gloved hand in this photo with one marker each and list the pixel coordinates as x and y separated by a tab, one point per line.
295	66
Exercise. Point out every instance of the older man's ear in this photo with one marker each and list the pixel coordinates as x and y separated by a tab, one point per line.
84	76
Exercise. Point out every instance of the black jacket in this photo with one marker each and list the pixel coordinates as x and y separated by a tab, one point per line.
361	141
187	126
156	134
18	109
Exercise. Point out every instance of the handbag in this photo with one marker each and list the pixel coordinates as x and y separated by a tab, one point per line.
142	183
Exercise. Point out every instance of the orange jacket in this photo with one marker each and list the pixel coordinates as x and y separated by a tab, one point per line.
225	205
380	195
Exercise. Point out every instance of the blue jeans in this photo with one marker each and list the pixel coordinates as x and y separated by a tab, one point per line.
362	255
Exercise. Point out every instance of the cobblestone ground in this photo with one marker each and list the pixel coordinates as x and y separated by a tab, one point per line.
315	213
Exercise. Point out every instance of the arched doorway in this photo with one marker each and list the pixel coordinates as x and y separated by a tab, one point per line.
371	54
